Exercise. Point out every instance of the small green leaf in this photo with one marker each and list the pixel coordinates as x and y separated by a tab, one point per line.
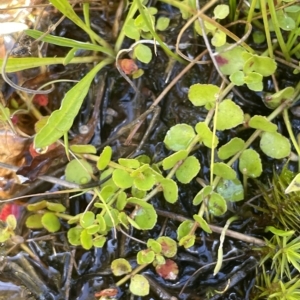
179	137
83	149
217	204
188	170
145	180
231	190
120	266
145	216
104	158
184	229
129	163
229	115
238	78
294	186
170	190
230	61
107	192
273	101
223	170
131	30
121	201
154	245
221	11
145	257
187	241
56	207
122	178
203	94
4	235
34	221
86	240
168	246
74	219
139	285
202	195
231	148
262	123
143	53
254	81
206	135
219	38
170	161
202	223
99	241
275	145
250	163
93	229
74	236
37	206
262	65
78	171
162	23
87	219
51	222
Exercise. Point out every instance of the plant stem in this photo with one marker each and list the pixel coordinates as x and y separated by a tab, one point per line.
266	25
128	276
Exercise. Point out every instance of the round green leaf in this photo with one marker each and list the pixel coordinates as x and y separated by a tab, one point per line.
202	195
86	240
145	216
154	245
104	158
162	23
203	94
170	161
121	201
221	11
170	190
74	236
34	221
145	257
120	266
168	246
143	53
263	65
37	206
122	178
50	221
184	229
219	38
78	171
262	123
188	170
99	241
231	148
273	101
203	224
229	115
179	137
206	135
93	229
254	81
275	145
139	285
87	219
250	163
231	190
217	204
131	30
187	241
237	78
56	207
223	170
129	163
145	180
83	149
11	222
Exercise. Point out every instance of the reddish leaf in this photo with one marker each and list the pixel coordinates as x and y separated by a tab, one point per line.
9	209
169	270
128	66
221	60
41	100
107	293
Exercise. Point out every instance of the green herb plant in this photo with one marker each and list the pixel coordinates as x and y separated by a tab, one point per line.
124	199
